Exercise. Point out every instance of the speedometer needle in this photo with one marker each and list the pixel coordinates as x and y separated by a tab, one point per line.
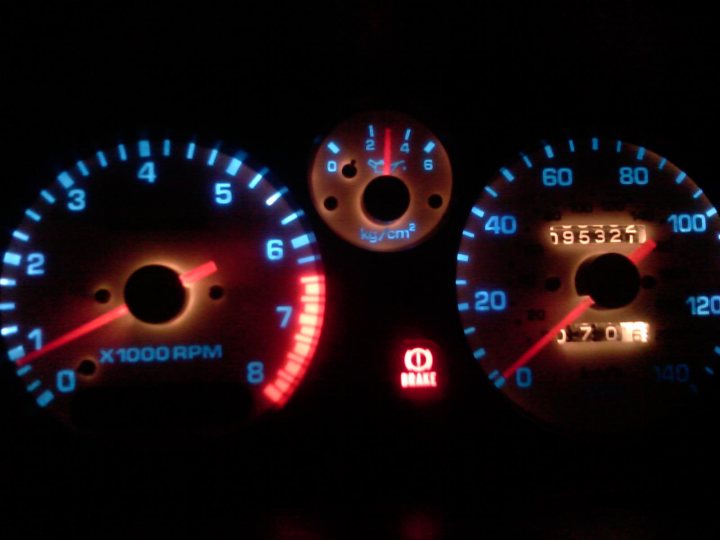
635	257
186	278
387	154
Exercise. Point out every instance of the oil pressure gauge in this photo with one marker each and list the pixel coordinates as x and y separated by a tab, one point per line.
381	181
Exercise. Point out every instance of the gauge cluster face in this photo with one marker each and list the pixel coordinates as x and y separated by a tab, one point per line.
371	271
166	282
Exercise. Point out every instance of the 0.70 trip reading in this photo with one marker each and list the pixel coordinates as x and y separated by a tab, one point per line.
625	332
597	234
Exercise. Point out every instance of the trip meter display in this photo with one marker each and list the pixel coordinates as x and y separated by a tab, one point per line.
588	284
161	282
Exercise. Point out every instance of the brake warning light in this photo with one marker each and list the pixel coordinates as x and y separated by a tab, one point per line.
419	372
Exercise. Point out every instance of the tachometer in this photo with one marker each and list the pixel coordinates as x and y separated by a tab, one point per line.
588	283
161	282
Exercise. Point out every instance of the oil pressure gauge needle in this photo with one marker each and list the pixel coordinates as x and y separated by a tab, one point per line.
387	152
635	257
186	278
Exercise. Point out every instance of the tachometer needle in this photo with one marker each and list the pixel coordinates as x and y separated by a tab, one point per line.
198	273
387	154
186	278
635	257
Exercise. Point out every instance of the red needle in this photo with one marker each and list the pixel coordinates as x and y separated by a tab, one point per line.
198	273
387	154
186	278
636	256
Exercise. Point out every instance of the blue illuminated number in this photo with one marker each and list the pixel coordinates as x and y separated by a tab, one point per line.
688	223
672	373
36	264
501	224
223	193
286	313
36	336
255	372
552	177
638	176
704	306
332	166
428	165
77	200
490	300
274	250
147	172
370	145
65	380
523	377
405	148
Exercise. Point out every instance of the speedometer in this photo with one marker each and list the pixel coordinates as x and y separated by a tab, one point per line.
588	283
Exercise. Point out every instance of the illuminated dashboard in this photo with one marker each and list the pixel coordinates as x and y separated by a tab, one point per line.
276	281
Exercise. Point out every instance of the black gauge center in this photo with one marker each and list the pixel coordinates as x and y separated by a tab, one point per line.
155	294
386	198
611	280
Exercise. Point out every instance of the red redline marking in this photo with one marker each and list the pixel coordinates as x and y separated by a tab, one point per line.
286	376
272	393
304	341
636	257
293	368
313	308
282	385
294	357
387	154
187	278
309	320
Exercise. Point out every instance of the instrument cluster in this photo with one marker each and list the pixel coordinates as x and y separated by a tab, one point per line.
378	260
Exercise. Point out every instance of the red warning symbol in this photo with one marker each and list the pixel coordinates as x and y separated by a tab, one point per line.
419	363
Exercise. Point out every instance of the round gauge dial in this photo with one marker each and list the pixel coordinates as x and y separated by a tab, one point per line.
161	282
588	283
381	181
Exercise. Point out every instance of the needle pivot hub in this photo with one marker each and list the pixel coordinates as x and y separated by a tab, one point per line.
611	280
155	294
386	198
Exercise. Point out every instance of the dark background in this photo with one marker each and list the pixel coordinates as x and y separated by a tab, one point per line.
347	458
